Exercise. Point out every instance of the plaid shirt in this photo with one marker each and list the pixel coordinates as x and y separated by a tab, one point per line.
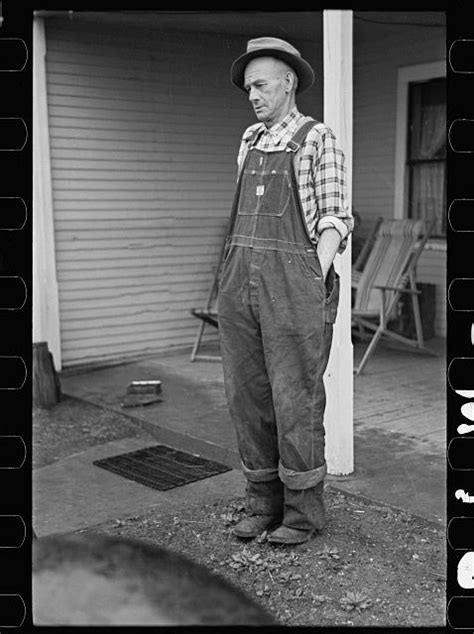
321	173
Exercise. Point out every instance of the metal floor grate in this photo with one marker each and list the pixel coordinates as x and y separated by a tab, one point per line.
161	467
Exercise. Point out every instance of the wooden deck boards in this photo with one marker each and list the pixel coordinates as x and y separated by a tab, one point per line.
403	392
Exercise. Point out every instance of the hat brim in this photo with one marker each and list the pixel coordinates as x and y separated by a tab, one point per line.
300	66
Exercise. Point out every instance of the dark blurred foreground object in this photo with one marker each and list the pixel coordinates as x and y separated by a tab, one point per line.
101	580
46	387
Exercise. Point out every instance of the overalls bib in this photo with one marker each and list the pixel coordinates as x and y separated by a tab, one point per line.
276	318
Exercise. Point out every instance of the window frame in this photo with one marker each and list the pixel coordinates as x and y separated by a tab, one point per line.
406	76
410	163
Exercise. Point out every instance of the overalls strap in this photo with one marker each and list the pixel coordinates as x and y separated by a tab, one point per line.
251	141
300	135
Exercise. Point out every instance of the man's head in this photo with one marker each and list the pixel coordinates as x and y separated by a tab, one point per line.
271	85
282	69
100	580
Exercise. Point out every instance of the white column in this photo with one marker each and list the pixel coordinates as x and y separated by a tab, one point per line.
337	34
45	286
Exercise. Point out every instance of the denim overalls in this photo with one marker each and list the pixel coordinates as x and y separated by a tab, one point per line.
276	319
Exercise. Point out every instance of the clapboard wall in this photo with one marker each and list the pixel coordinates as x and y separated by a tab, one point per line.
377	57
144	133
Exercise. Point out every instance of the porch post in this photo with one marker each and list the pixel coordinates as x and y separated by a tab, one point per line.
45	286
337	34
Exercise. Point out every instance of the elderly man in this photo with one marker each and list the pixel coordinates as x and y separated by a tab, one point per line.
279	293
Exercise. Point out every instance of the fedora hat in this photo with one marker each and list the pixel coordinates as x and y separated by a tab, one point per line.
273	47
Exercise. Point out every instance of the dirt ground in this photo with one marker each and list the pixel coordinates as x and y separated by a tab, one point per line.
72	426
371	566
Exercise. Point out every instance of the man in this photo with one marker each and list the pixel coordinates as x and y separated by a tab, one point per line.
104	580
279	293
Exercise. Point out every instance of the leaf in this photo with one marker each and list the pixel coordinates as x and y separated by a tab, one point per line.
240	559
329	553
318	598
229	517
355	600
283	577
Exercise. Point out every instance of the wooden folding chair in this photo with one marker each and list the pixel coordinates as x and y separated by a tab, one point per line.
361	259
390	266
208	314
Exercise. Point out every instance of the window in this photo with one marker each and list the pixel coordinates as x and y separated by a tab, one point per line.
426	153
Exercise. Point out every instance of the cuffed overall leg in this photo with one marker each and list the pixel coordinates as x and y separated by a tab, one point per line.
297	337
248	391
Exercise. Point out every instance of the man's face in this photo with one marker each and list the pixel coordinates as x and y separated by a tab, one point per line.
266	85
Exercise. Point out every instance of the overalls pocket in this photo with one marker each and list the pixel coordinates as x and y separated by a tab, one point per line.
264	193
311	266
332	295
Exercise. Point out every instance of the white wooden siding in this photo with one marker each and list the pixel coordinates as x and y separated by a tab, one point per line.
145	128
376	62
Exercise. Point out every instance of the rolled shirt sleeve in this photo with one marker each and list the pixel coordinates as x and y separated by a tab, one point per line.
330	186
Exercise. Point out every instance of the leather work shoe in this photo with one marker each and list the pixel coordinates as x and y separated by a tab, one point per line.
254	525
286	535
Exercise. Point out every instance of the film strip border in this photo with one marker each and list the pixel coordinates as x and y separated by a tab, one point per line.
460	341
16	194
15	314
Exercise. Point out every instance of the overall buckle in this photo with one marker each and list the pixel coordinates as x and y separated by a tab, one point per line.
291	146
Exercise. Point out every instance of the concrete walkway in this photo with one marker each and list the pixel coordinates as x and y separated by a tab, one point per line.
72	493
396	463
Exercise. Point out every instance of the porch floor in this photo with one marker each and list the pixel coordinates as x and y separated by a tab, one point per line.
399	419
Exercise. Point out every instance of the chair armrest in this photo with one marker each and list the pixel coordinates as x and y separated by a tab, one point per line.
398	288
355	278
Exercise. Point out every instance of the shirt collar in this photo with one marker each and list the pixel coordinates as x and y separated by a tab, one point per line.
286	126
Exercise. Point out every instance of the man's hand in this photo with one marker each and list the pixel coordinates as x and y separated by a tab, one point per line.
329	241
